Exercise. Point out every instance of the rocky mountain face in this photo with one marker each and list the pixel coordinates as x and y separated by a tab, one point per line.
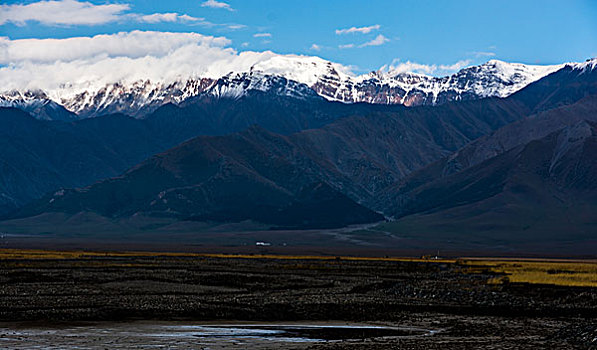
492	79
136	99
298	76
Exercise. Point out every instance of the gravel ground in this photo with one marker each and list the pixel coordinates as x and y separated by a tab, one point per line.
461	310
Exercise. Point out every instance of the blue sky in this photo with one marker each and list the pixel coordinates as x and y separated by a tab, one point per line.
425	32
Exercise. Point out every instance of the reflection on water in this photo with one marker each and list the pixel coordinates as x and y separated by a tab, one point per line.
176	335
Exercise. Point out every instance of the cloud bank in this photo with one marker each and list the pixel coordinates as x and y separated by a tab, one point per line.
65	67
72	12
92	62
64	12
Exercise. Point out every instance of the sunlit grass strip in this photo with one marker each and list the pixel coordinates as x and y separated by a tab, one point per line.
555	272
574	274
6	254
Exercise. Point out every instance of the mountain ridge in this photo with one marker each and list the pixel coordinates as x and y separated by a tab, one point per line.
303	76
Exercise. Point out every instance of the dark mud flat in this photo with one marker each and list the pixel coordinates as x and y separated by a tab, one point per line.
112	301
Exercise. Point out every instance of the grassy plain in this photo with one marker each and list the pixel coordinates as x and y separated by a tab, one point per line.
574	273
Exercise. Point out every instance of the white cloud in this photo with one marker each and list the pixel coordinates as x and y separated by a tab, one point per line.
64	67
245	44
379	40
483	53
236	26
72	12
315	47
64	12
262	35
454	67
168	17
360	30
134	44
128	56
410	67
397	67
217	5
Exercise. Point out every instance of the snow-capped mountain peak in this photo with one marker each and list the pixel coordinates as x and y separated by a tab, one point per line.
236	85
37	103
501	79
303	69
296	76
589	65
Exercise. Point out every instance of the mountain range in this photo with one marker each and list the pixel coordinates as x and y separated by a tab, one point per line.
510	168
285	75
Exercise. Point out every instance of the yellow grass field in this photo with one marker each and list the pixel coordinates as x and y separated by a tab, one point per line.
577	273
562	273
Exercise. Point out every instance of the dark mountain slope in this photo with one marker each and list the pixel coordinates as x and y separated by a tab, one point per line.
356	156
212	115
39	156
542	191
502	140
380	149
49	110
563	87
228	178
20	136
362	150
42	156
